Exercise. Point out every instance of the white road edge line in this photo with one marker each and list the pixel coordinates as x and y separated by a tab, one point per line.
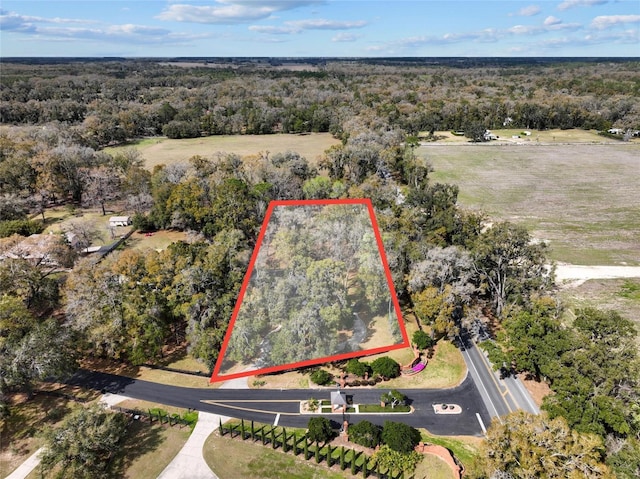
275	423
484	387
484	429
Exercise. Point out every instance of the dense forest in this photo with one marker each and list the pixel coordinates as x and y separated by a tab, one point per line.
318	274
452	267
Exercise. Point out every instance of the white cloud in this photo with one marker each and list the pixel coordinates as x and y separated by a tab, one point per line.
345	37
609	21
551	20
65	29
297	26
528	11
227	12
567	4
11	21
322	24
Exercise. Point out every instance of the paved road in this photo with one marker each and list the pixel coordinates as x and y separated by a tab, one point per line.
267	406
500	395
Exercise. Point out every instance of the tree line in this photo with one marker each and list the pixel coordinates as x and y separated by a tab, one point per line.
107	102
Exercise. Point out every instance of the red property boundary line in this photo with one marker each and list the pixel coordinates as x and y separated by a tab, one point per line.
215	377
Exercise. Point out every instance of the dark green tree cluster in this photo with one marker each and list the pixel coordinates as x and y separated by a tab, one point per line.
131	304
397	436
85	444
189	101
593	368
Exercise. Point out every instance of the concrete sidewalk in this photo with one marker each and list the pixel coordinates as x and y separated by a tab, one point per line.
27	466
189	463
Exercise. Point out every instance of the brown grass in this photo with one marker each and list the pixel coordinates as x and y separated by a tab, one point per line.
157	240
537	137
150	448
19	433
161	150
582	198
147	374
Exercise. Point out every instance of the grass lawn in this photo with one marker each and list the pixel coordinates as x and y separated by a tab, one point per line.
445	369
161	150
236	459
546	136
148	449
158	240
433	467
582	198
465	448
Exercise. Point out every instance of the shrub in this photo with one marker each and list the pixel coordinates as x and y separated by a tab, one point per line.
20	227
358	368
365	433
399	436
386	367
422	340
319	430
387	458
321	377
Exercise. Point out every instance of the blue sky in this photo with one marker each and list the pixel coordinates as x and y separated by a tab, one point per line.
354	28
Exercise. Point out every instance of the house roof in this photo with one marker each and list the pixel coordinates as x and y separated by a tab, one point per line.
119	218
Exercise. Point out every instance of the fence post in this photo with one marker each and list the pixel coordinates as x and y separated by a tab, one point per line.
343	464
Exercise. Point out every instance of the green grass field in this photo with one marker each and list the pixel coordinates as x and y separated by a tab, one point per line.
582	198
161	150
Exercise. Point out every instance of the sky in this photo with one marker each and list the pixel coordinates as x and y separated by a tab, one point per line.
326	28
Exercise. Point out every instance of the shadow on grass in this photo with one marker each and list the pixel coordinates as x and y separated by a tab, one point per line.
141	438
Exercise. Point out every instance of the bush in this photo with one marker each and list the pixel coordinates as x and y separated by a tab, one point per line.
386	367
143	222
399	436
365	433
358	368
20	227
319	430
321	377
422	340
389	459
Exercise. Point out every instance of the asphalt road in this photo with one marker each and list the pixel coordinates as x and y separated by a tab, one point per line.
500	395
283	406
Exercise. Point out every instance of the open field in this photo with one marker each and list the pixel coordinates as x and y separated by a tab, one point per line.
161	150
582	198
506	136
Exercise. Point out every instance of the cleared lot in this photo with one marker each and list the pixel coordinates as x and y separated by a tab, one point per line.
161	150
582	198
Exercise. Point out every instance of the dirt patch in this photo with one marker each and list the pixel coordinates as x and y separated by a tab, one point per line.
538	390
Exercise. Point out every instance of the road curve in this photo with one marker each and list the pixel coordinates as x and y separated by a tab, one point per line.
265	405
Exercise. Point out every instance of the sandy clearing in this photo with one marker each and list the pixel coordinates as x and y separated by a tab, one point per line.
578	274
